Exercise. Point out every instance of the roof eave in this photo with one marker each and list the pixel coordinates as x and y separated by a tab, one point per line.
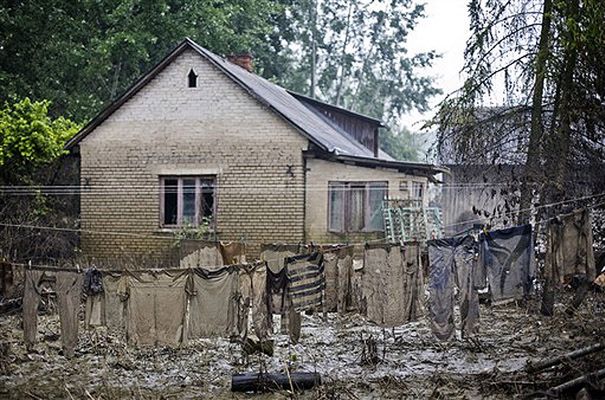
426	170
377	121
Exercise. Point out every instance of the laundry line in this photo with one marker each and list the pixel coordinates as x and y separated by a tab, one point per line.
254	265
73	190
512	213
159	236
79	269
268	185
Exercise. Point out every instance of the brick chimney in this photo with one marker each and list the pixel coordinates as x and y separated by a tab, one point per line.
244	60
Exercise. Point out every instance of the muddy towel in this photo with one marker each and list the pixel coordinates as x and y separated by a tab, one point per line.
507	255
569	248
254	311
452	261
306	281
338	263
213	303
115	293
413	283
275	254
344	277
69	289
156	308
31	300
331	273
392	284
233	253
206	256
95	311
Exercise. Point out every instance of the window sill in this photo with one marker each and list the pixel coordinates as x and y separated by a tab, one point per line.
344	233
176	229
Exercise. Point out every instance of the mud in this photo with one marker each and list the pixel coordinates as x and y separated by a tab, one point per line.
408	362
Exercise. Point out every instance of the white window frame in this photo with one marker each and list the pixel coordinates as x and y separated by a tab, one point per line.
417	194
198	199
346	186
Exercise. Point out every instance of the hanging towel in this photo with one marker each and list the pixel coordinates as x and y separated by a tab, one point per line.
507	255
115	292
254	311
156	308
31	300
569	247
452	261
69	289
213	303
233	253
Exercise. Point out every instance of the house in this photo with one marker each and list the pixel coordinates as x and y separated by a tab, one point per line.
203	141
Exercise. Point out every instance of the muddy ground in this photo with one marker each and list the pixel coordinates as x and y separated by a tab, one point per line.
411	363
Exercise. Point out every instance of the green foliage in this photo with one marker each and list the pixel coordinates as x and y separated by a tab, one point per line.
29	138
194	232
401	145
361	58
83	54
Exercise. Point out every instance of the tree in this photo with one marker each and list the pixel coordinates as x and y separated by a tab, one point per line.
401	145
361	58
83	54
31	155
544	55
30	139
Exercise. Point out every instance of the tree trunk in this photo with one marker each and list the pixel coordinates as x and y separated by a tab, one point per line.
532	164
549	362
313	49
342	56
557	168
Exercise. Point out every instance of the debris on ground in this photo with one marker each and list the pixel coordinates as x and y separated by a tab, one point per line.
355	358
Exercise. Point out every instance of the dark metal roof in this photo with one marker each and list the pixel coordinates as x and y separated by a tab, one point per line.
311	100
325	135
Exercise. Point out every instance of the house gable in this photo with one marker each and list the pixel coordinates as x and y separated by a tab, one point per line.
169	129
215	107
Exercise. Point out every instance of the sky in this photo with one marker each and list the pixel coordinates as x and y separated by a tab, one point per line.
445	30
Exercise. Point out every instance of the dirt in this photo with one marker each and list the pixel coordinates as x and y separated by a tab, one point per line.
407	361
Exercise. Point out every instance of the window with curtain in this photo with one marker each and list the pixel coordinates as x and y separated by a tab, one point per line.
356	206
187	200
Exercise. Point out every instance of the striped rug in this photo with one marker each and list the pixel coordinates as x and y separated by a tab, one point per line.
306	281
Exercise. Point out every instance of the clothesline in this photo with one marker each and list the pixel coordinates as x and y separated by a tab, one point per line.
42	267
161	237
144	236
269	185
512	213
254	265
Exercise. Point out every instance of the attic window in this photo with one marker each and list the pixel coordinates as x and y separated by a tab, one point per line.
192	78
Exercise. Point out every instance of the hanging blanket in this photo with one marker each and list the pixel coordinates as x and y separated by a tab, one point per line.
306	281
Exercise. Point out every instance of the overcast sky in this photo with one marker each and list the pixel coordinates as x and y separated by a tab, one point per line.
445	30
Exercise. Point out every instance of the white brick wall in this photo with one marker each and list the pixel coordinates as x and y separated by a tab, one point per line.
169	128
320	172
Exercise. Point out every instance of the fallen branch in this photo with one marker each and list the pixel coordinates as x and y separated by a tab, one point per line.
267	382
33	396
577	381
548	362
